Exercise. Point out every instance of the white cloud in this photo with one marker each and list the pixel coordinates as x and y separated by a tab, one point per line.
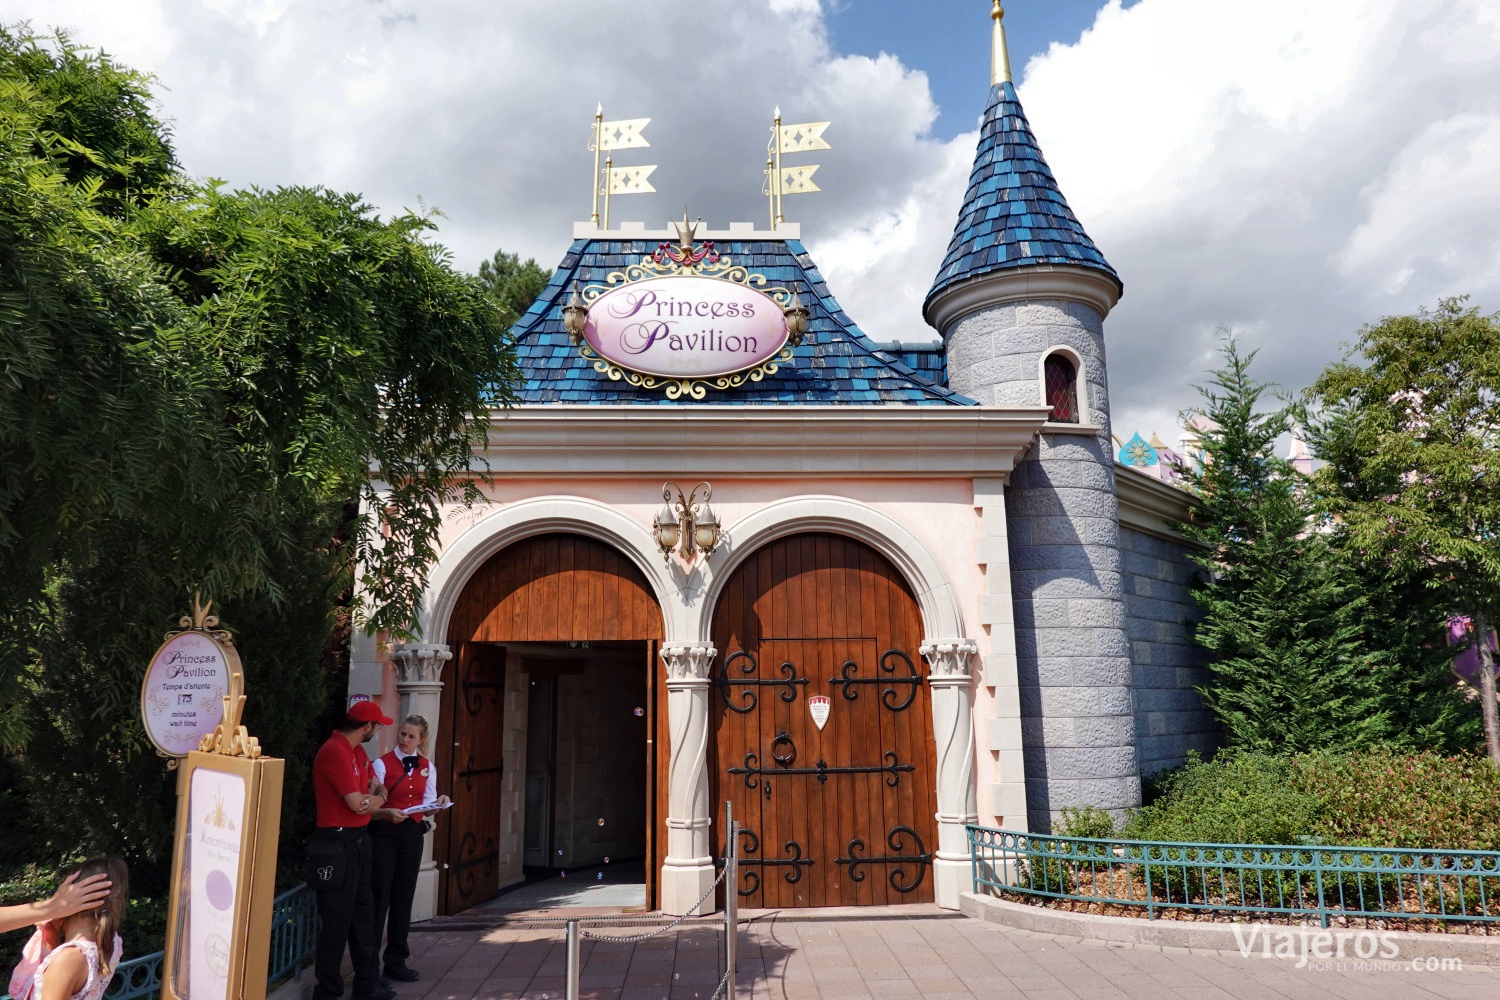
1432	214
1287	169
483	109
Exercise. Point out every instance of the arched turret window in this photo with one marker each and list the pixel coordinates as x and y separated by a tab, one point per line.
1061	386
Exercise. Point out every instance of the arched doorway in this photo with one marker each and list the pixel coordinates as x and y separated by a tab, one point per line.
550	718
841	814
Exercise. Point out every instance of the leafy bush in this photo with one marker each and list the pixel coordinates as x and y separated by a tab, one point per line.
1370	797
1404	800
1237	798
1090	821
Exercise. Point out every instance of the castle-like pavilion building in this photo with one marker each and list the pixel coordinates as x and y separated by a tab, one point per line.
924	594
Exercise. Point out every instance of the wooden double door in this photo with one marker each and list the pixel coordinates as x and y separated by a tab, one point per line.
822	626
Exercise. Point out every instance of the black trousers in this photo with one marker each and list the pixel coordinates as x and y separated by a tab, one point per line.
398	854
347	910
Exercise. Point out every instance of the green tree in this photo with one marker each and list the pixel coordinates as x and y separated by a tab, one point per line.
1417	481
1407	617
96	407
252	393
96	117
512	285
1282	617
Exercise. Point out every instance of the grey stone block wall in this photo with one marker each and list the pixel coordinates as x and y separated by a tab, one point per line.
1170	718
1078	716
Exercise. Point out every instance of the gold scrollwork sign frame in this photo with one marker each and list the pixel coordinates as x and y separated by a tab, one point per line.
229	738
702	262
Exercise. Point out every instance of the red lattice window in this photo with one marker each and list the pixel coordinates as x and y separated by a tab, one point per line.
1062	389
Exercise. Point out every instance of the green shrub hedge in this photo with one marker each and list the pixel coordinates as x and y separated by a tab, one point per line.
1370	797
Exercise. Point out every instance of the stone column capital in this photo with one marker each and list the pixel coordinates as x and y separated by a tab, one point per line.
419	663
688	663
949	659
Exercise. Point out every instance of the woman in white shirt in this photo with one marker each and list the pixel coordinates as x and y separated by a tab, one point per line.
396	832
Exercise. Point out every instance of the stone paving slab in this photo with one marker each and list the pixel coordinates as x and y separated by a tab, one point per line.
783	958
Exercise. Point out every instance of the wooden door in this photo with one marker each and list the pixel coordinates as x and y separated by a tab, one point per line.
842	815
475	769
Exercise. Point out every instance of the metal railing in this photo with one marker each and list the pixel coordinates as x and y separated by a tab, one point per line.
729	875
294	928
1312	880
294	932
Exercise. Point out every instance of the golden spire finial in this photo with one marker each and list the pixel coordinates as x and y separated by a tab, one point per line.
1000	56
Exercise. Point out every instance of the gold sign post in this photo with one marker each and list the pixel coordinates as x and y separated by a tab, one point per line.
224	853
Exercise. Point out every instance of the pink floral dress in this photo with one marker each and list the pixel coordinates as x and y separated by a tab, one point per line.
97	983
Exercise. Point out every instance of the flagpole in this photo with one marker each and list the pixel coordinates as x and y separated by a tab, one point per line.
608	185
770	191
776	174
598	124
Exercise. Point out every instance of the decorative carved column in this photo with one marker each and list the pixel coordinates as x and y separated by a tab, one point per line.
953	731
688	869
419	680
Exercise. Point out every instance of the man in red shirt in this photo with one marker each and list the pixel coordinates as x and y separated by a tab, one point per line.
338	857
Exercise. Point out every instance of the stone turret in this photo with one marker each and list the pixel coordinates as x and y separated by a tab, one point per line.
1020	301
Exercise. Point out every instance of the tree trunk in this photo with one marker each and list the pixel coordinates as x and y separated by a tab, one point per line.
1487	687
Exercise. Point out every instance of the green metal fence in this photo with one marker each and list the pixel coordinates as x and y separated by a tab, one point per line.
294	932
1312	880
294	928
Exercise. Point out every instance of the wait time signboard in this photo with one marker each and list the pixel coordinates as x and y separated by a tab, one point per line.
228	816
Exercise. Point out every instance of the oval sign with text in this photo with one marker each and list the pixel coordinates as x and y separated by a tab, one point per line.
685	326
182	698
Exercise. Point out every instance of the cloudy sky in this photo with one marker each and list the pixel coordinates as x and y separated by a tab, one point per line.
1285	169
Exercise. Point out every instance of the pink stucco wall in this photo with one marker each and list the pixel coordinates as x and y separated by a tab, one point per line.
939	512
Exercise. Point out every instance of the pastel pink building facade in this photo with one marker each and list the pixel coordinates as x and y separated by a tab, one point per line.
925	595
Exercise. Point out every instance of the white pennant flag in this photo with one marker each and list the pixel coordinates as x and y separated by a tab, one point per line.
623	134
630	180
798	180
803	138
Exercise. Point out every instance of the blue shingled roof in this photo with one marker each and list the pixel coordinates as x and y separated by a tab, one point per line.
1013	214
930	360
836	363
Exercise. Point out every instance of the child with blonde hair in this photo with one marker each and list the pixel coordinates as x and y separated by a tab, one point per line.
79	953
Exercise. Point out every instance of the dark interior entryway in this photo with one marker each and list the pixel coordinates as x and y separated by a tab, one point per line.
586	753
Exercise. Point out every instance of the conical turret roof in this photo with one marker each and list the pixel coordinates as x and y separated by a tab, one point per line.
1013	215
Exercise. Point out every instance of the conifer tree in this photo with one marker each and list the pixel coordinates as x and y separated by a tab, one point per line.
1407	610
1283	617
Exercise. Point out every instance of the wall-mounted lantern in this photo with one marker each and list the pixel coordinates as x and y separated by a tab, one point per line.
796	320
684	524
575	315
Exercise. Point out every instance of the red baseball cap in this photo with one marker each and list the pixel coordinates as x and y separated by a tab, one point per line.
367	711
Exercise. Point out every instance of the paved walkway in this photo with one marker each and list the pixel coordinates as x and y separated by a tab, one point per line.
783	958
